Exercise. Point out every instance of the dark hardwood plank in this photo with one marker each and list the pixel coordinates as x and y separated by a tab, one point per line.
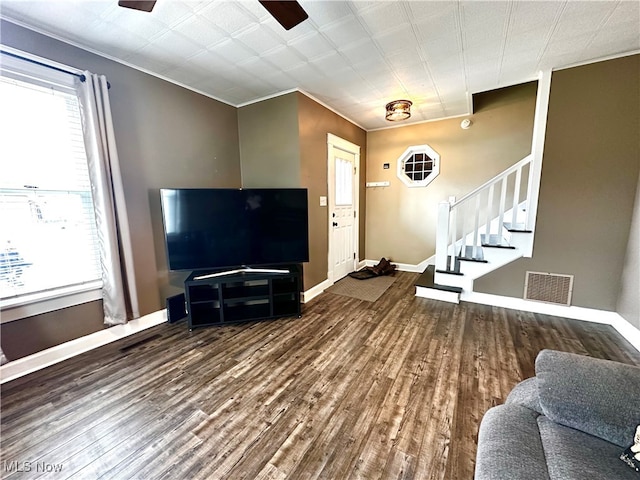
390	389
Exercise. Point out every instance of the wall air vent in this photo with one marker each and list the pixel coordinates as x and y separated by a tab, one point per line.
548	287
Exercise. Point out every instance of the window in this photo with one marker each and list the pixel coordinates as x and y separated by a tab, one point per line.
48	239
418	166
344	182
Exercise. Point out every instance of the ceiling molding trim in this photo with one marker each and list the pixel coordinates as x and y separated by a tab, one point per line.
470	96
439	119
597	60
267	97
307	94
108	57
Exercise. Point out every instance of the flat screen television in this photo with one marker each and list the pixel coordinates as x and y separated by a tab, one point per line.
217	228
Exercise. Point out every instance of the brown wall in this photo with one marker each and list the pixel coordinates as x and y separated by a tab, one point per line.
589	179
167	136
315	122
401	221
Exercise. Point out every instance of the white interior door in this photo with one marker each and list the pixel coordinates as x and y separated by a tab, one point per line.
342	213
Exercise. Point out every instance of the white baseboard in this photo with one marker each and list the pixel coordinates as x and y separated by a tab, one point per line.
316	290
628	331
45	358
406	267
37	361
624	328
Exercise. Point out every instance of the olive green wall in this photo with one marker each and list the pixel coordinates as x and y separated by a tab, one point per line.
167	136
401	221
588	185
283	143
315	122
269	143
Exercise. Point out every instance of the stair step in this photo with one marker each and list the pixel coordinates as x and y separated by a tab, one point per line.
426	280
494	241
468	256
516	227
456	267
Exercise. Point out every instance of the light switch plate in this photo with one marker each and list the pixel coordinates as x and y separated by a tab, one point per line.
323	201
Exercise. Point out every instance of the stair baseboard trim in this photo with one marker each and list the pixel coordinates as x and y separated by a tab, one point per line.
622	326
436	294
45	358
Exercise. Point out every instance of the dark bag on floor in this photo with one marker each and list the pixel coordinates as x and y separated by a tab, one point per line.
384	267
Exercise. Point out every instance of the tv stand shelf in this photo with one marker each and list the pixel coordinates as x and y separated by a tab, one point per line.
242	296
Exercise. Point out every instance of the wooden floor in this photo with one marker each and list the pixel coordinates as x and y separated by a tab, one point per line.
384	390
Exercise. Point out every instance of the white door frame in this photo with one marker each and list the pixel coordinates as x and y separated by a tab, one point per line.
334	141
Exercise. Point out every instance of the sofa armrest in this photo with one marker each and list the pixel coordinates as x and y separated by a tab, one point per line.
599	397
525	394
509	445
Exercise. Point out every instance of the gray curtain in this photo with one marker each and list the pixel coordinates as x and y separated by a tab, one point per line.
119	289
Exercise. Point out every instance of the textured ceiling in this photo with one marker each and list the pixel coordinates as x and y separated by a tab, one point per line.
353	56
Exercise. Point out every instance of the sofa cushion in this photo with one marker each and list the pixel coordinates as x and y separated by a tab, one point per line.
599	397
575	455
525	393
509	446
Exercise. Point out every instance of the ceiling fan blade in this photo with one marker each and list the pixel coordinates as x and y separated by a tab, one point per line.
288	13
142	5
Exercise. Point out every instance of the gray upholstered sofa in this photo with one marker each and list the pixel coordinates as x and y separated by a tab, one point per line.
572	420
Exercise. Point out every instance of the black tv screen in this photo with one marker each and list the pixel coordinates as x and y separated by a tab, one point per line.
208	229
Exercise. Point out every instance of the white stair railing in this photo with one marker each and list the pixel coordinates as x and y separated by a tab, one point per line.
496	202
459	221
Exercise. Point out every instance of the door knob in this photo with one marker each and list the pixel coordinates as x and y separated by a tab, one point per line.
335	224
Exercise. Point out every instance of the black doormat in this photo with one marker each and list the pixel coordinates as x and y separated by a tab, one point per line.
363	274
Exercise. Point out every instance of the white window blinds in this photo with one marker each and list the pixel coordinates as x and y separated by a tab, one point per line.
47	224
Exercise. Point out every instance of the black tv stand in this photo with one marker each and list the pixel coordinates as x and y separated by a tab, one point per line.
243	295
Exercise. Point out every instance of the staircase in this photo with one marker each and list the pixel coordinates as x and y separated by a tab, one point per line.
491	226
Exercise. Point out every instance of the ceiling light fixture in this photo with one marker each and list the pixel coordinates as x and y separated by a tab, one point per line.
398	110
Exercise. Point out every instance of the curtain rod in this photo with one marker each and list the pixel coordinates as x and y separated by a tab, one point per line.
79	75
